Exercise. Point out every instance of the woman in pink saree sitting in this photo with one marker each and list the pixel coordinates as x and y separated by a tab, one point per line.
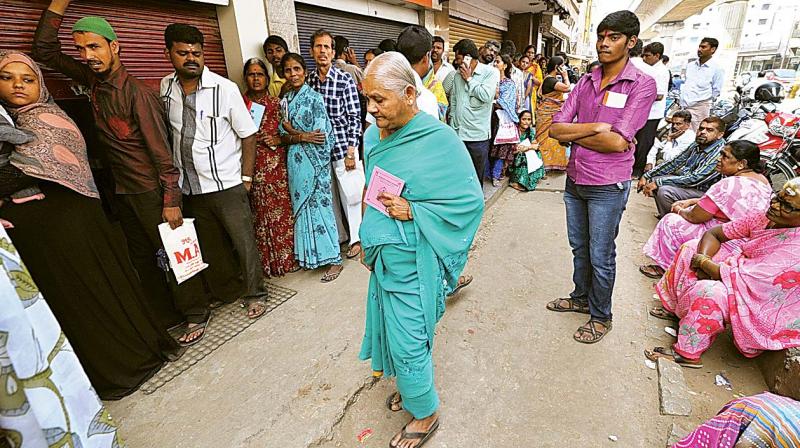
755	288
741	190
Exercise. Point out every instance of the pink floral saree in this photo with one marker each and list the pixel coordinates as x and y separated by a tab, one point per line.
729	199
759	293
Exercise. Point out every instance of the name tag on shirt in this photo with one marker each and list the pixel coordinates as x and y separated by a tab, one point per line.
615	100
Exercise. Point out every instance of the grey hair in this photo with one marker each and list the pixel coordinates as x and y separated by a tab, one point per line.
392	71
792	187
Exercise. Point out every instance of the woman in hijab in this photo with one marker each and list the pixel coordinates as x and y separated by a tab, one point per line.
74	257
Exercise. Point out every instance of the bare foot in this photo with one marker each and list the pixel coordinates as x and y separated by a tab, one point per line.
193	333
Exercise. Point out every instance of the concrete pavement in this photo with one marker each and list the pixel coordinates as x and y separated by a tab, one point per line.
508	372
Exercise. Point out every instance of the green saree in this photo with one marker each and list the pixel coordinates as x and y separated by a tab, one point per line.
416	263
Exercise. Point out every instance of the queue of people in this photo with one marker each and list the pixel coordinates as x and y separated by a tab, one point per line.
276	179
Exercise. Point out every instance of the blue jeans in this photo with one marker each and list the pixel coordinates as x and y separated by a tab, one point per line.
593	216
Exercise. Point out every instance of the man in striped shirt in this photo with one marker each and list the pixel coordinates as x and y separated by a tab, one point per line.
689	174
214	148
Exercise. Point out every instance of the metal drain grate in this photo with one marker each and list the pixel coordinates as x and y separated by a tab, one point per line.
228	321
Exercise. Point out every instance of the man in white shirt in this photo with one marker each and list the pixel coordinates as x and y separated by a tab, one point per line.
703	82
415	43
214	148
650	63
679	138
441	68
346	60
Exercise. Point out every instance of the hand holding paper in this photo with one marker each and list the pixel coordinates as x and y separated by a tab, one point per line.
383	182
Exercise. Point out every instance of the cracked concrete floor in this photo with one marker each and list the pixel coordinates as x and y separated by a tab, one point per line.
508	372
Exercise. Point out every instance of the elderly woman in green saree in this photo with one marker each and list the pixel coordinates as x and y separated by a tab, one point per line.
417	250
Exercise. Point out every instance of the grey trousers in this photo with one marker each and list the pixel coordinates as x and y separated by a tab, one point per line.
668	194
224	220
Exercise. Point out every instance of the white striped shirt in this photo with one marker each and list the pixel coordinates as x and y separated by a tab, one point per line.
206	129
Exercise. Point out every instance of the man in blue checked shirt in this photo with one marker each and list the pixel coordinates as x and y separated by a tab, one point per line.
341	100
691	173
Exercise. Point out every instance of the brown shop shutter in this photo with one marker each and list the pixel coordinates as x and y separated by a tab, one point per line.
139	25
462	29
363	32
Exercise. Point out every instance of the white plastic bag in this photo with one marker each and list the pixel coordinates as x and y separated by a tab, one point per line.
183	249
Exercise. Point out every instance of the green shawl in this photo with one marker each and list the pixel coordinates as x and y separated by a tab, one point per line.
446	203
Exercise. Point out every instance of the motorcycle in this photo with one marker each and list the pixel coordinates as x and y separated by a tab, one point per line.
781	149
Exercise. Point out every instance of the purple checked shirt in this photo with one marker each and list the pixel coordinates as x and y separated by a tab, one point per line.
585	104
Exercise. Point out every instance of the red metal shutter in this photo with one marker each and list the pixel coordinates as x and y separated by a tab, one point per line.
139	25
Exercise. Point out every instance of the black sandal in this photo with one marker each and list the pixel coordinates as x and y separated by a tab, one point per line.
662	313
461	285
189	330
591	329
391	403
421	436
653	271
662	352
573	307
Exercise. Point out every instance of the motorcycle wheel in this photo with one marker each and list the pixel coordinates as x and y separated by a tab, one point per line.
779	176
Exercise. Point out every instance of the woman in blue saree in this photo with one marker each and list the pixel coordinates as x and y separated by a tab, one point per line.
417	252
307	130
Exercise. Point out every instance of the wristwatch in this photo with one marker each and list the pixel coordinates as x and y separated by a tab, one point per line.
247	179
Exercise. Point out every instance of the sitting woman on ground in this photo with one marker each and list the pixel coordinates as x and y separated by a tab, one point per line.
755	288
308	132
520	177
74	256
506	139
742	190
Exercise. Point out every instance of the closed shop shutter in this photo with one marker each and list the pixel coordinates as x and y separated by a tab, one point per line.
363	32
462	29
139	25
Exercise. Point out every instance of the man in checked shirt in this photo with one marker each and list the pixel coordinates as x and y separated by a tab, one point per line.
341	100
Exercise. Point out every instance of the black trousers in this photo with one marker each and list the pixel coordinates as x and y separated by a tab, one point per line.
644	141
223	221
479	153
139	215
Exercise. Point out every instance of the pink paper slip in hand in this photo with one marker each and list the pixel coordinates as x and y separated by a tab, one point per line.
382	181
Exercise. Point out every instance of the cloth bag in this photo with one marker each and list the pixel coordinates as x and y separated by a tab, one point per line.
183	249
507	130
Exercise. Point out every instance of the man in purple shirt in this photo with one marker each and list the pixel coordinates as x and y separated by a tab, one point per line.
601	117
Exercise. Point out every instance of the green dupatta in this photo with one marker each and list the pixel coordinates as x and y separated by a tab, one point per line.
446	203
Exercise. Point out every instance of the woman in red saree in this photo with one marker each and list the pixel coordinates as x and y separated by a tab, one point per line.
269	195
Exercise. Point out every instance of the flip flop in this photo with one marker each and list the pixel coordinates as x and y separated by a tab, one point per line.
661	313
461	285
263	304
327	278
200	326
390	402
652	271
421	436
662	352
355	254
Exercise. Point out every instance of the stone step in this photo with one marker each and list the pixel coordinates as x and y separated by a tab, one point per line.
781	370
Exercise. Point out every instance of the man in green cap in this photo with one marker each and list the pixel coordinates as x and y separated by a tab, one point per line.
130	121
